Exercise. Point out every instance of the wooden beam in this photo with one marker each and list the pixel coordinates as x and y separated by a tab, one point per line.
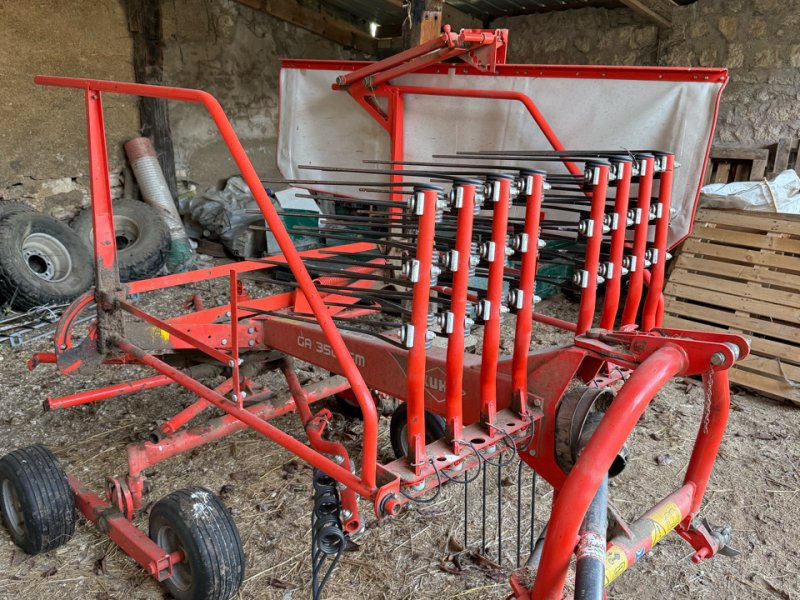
658	11
425	22
144	23
318	22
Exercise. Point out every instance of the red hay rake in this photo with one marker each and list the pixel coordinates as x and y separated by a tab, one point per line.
369	315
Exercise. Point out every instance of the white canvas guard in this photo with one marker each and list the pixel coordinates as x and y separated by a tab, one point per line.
322	126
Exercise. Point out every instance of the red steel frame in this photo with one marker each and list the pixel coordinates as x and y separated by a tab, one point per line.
485	398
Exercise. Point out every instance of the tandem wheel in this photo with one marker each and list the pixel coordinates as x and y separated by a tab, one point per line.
36	501
398	429
195	522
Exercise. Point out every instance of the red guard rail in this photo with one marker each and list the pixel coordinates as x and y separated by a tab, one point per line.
293	259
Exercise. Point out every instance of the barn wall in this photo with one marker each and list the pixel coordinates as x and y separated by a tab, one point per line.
43	156
758	40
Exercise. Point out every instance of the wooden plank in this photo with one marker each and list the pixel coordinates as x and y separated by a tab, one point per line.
768	348
754	257
772	367
658	11
758	169
319	22
738	288
748	240
744	305
782	155
742	272
739	322
739	153
797	160
723	172
789	224
765	385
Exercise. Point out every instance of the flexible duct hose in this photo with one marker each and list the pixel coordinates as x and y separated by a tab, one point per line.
155	192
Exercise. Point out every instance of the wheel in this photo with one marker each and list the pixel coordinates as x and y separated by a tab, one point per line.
398	429
142	238
37	503
12	207
194	521
42	261
347	405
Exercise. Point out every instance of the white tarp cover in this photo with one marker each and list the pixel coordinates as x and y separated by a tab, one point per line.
322	126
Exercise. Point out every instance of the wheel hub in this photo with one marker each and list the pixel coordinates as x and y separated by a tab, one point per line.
46	257
12	508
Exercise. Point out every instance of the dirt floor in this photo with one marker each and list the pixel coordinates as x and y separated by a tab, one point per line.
754	489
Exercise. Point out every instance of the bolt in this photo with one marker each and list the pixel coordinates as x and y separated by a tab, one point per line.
338	459
346	514
251	343
224	342
251	330
537	402
231	364
717	358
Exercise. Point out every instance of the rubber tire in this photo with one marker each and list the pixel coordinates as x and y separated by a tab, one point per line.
435	428
45	499
13	207
347	405
21	286
145	256
209	539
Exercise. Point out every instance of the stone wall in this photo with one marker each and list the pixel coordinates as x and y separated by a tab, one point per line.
43	156
233	52
758	40
218	45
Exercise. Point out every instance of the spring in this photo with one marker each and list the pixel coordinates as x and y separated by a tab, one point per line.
328	539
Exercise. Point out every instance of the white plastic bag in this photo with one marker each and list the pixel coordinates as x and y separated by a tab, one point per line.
781	195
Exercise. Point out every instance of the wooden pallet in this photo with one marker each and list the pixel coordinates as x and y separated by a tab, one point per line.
740	272
736	164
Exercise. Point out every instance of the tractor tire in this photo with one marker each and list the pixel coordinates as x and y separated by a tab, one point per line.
142	238
435	428
195	522
36	501
42	261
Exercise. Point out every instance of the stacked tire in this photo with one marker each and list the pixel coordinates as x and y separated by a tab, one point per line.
44	262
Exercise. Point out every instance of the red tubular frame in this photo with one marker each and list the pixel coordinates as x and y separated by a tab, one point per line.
654	357
420	301
293	260
592	464
501	187
614	282
636	280
653	313
459	292
592	262
527	282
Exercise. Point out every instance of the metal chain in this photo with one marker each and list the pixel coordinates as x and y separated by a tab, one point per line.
707	390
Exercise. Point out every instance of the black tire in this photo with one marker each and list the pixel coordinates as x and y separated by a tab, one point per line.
36	501
42	261
435	428
196	522
13	207
142	238
347	405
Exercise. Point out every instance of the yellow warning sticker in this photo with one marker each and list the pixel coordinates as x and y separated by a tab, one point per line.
665	518
164	335
616	563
